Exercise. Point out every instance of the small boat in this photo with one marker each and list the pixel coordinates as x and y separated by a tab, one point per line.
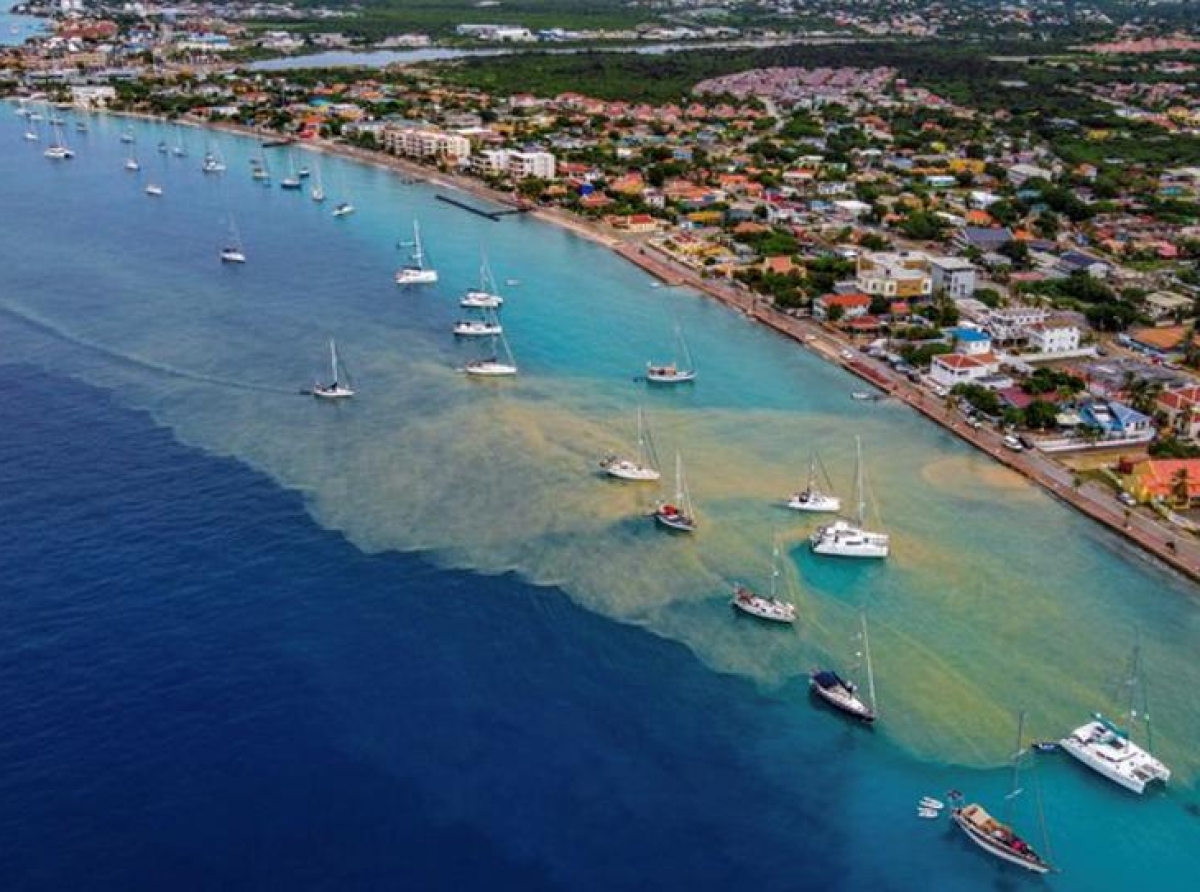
127	136
998	838
672	373
928	814
179	152
345	209
767	607
930	802
512	283
812	499
644	467
233	252
1109	750
317	194
162	148
477	328
154	189
59	153
335	389
56	120
303	173
81	127
31	136
132	164
863	396
416	273
261	174
1046	746
844	538
677	515
290	183
212	164
499	364
842	694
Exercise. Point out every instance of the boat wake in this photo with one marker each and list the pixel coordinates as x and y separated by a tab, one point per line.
127	359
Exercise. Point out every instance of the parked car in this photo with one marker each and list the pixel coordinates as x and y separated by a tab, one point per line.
1011	442
1126	499
1026	442
974	422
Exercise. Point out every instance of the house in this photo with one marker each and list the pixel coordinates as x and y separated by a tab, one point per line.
1011	324
1182	409
971	341
1019	174
983	238
1116	421
1159	341
851	305
894	274
1166	305
1166	479
953	276
1052	337
1080	262
951	369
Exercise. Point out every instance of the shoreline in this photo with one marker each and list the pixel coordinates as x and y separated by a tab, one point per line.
1173	548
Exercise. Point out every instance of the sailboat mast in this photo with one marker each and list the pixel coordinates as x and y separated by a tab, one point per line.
858	481
333	365
774	570
418	255
1016	776
870	671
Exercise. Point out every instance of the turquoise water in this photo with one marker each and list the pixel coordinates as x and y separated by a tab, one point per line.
996	598
27	26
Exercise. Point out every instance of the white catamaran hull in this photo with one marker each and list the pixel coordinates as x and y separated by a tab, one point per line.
416	277
491	370
843	540
1131	766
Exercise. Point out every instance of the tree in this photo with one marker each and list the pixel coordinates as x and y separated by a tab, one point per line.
1041	415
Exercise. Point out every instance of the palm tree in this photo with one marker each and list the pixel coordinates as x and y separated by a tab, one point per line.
1142	393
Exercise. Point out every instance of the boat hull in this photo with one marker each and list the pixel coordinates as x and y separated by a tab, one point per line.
815	504
671	378
847	705
416	277
1135	782
993	848
627	470
491	370
678	523
765	609
843	540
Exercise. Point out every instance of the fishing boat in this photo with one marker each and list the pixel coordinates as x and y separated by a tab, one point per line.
845	538
478	328
416	273
673	373
1109	750
484	297
335	389
677	515
843	694
812	498
499	364
768	607
154	189
345	209
233	252
995	837
644	467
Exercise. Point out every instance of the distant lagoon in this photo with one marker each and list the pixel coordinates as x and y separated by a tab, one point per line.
26	26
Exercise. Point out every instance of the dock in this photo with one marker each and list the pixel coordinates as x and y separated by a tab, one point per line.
494	216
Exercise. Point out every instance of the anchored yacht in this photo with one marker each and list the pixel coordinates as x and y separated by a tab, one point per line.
1107	750
844	538
641	469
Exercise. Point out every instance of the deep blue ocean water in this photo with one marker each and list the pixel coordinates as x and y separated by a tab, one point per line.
208	686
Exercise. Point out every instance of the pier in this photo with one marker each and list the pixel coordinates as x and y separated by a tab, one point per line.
494	216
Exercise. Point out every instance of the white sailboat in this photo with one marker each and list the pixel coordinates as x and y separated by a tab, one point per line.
812	498
132	165
233	252
998	838
58	150
212	163
499	364
154	190
344	209
335	389
673	372
642	469
485	327
291	182
843	694
679	514
1109	750
844	538
416	273
317	192
179	150
768	607
485	297
127	136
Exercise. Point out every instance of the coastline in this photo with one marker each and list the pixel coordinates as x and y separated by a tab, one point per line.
1155	538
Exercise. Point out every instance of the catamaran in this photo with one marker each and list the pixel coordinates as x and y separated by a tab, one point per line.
335	389
484	297
673	373
769	607
58	150
499	364
844	538
644	467
416	273
843	694
233	252
1108	749
998	838
679	514
812	498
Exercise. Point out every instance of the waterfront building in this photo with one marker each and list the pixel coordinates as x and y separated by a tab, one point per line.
424	142
951	369
953	276
1011	324
1166	479
894	274
1053	337
852	305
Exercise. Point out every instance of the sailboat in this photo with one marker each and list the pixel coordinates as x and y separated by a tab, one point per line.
416	273
212	163
30	134
317	193
485	327
769	607
842	694
998	838
262	171
673	373
58	150
484	297
334	390
1109	750
127	136
291	182
679	514
162	147
844	538
131	164
344	209
179	150
499	364
641	469
811	498
154	190
233	252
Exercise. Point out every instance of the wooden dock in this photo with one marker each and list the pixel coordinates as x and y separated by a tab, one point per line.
494	216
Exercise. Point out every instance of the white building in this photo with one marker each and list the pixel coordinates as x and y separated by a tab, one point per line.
1053	337
88	96
950	369
954	276
417	142
900	274
1011	324
531	164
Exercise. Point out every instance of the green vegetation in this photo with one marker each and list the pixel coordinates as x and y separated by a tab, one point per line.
982	399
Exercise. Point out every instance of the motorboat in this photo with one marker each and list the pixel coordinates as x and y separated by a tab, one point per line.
345	209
